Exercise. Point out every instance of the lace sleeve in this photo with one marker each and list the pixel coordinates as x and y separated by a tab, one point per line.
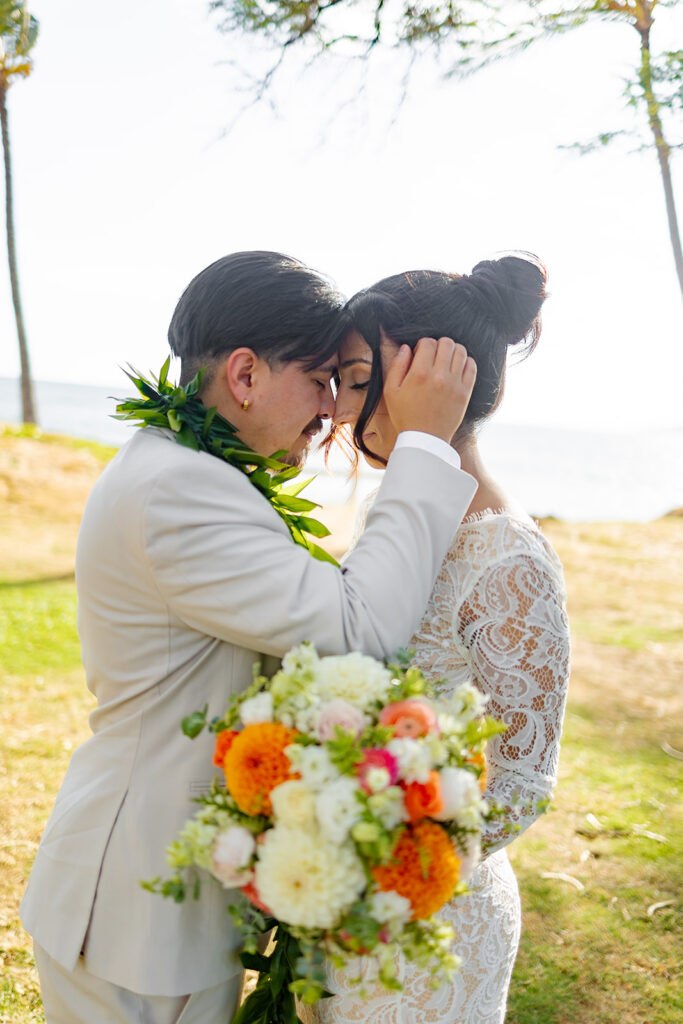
513	631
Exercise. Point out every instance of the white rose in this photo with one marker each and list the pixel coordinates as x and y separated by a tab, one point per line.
257	709
337	808
232	851
460	791
294	804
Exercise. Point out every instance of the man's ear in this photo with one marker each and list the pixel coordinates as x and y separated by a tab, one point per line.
241	371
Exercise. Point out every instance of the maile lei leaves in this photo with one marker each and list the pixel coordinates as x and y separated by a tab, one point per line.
179	409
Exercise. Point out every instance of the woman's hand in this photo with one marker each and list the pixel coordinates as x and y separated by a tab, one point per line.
429	389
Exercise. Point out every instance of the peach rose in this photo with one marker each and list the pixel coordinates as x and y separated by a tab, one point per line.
424	800
409	718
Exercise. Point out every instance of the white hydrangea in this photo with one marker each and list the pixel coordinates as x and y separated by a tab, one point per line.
313	764
305	880
198	837
414	759
389	806
257	709
337	808
467	700
301	660
389	906
355	678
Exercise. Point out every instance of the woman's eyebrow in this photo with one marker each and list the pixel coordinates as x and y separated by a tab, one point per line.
350	362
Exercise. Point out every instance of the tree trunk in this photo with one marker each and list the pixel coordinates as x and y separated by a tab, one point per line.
28	411
663	149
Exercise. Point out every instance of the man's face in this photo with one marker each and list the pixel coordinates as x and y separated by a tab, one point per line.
290	409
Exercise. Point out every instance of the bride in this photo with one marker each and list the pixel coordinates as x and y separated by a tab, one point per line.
496	617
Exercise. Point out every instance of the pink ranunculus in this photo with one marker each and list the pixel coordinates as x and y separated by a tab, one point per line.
231	854
409	718
338	713
377	759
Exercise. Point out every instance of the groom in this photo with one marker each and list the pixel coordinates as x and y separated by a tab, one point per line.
185	575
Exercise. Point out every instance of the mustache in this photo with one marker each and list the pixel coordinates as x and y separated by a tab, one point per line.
314	427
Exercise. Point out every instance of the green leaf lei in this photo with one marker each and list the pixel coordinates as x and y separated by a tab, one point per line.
179	409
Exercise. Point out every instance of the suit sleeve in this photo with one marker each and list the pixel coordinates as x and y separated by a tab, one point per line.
225	564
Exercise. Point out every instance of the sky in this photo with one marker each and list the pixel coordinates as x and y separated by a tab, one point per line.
127	183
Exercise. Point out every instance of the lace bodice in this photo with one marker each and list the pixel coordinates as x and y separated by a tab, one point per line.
497	618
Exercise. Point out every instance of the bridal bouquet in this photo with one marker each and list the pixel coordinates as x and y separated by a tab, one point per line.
349	814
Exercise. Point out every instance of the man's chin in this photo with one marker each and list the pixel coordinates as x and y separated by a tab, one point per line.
297	456
290	459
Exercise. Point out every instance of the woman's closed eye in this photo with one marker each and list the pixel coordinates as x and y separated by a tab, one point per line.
361	386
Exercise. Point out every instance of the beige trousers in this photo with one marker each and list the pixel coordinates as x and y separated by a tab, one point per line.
77	997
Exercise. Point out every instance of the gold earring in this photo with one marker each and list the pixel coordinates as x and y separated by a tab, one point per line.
245	404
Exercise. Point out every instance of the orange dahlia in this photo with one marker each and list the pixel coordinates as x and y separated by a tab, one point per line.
424	868
256	763
224	741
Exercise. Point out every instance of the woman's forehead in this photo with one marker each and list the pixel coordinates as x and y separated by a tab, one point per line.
354	349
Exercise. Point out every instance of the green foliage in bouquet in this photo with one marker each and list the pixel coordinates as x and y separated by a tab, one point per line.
179	409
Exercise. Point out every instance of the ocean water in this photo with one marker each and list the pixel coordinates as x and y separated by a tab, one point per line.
574	475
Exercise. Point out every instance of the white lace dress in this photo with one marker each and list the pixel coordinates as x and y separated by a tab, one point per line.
497	618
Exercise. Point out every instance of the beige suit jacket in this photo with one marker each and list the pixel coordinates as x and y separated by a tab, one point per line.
185	575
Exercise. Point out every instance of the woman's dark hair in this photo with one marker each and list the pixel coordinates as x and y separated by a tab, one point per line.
265	301
497	305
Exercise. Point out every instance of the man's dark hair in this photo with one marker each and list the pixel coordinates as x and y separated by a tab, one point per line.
268	302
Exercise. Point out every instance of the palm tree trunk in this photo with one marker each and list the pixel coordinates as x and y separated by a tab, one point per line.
663	149
28	410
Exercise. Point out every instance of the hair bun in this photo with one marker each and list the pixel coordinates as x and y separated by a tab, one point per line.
512	290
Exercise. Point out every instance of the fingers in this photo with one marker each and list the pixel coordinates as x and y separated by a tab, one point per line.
398	369
430	393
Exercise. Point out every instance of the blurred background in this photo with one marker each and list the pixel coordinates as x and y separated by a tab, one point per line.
140	155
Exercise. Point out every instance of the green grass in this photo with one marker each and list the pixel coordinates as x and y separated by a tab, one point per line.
103	452
37	627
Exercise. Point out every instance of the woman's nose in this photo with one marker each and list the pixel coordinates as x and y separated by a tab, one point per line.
346	410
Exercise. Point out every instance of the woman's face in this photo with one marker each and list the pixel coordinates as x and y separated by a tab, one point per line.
355	364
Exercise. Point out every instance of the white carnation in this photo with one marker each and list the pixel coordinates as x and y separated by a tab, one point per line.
257	709
305	880
414	759
313	764
355	678
337	808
